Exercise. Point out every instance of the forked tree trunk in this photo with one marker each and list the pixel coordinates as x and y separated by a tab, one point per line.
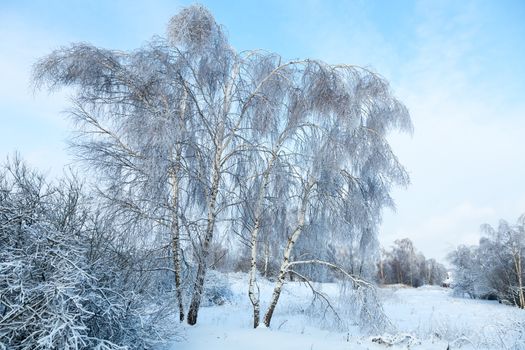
286	259
282	272
175	233
221	143
198	286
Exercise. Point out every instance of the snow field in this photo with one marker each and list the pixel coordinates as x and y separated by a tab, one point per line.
432	313
423	318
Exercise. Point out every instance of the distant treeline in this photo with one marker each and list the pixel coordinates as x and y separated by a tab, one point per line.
403	264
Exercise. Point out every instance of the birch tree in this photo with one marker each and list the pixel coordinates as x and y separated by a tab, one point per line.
188	134
343	165
508	246
131	128
494	268
233	94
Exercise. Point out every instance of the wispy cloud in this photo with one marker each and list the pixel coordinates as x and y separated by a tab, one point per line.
468	139
464	158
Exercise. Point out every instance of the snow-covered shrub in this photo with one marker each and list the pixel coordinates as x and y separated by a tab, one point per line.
44	290
217	289
135	304
53	294
397	340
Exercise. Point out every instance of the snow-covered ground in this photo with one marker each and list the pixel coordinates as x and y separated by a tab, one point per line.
423	318
432	314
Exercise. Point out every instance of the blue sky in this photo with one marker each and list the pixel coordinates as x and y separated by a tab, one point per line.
457	65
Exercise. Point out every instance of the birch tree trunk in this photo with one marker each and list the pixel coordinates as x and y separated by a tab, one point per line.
254	297
175	232
175	227
286	258
266	257
205	246
521	296
221	143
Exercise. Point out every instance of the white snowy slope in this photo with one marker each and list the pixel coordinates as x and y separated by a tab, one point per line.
424	318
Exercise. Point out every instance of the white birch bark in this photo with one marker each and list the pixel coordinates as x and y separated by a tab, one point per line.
254	236
286	258
517	263
254	297
175	231
205	248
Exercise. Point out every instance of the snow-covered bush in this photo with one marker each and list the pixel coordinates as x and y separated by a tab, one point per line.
217	289
53	295
44	290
